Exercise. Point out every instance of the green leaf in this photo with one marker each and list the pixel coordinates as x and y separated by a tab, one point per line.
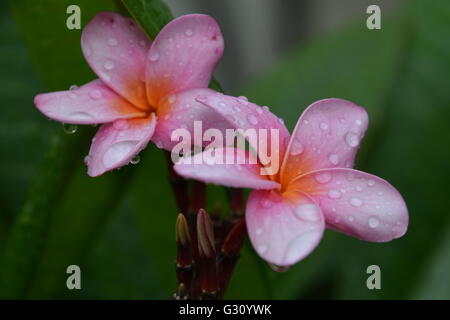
152	15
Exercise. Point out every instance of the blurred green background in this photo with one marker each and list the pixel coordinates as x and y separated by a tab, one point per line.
119	228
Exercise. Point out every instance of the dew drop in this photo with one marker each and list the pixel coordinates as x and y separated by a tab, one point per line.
154	56
262	249
95	94
323	126
73	87
243	100
108	65
252	119
323	177
202	98
333	158
308	212
334	194
188	32
371	183
266	203
159	144
70	128
136	159
305	121
296	148
172	98
222	104
352	139
87	159
258	231
373	222
278	268
265	108
358	122
112	42
356	202
351	218
259	111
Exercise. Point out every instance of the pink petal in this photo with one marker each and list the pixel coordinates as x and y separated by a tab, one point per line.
242	114
357	203
283	230
327	135
180	110
183	55
92	103
115	144
241	173
116	49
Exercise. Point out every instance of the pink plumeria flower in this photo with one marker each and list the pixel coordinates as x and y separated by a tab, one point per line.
144	90
315	186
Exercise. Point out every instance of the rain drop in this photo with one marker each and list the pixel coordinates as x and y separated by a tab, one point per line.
259	111
352	139
324	126
154	56
296	148
108	65
243	100
265	108
95	94
73	87
70	128
334	159
262	249
188	32
112	42
308	212
323	177
356	202
373	222
258	231
277	268
334	194
371	183
252	119
135	159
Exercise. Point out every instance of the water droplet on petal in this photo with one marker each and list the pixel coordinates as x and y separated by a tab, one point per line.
172	98
323	177
87	159
188	32
258	231
334	194
371	183
73	87
262	249
243	100
159	144
154	56
324	126
334	159
95	94
222	104
351	218
296	148
136	159
112	42
358	188
70	128
259	111
266	203
108	65
252	119
358	122
278	268
373	222
356	202
202	98
265	108
352	139
308	212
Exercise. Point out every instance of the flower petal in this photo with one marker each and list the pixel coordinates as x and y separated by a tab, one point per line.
327	135
242	172
115	144
356	203
180	110
183	55
90	104
283	230
116	49
242	114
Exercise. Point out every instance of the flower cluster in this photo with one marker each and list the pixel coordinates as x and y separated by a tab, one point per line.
145	90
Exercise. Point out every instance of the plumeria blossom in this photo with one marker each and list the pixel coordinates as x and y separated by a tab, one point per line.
315	187
144	90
